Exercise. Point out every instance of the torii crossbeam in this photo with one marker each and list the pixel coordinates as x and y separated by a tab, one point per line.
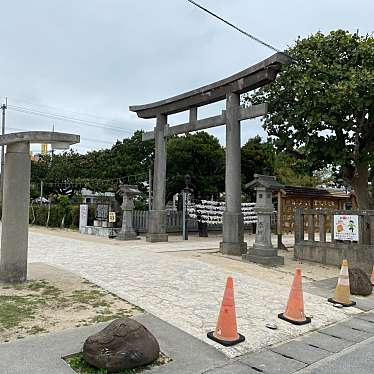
230	89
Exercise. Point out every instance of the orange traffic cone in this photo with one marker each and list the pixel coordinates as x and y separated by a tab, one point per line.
226	330
294	312
372	277
343	290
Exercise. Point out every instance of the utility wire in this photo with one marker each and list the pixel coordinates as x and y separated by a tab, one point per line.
30	105
255	38
237	28
62	117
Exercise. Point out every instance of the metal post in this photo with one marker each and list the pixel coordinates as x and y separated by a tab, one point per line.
184	216
41	192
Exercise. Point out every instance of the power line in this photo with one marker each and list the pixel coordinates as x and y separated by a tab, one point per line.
255	38
237	28
62	117
31	105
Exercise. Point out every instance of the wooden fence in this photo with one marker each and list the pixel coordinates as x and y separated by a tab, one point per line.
314	238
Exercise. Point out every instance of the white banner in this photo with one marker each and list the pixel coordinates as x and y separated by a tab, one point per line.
346	227
83	215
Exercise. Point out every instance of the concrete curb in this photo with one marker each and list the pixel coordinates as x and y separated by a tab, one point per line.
43	354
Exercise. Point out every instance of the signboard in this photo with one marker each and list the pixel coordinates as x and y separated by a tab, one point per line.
346	227
112	217
83	215
102	211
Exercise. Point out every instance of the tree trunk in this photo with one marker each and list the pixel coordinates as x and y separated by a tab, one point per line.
359	182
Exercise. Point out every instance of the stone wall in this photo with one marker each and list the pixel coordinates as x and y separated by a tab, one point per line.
358	255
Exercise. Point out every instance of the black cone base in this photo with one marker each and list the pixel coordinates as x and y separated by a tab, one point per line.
331	300
282	316
226	343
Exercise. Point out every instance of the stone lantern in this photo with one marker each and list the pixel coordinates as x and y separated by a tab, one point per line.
263	251
128	193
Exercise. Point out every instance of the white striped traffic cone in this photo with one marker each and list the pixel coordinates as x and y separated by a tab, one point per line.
343	291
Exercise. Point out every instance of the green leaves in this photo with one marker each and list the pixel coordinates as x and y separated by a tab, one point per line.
202	157
324	100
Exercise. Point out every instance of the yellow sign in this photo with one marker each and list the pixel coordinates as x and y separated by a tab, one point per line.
44	149
112	217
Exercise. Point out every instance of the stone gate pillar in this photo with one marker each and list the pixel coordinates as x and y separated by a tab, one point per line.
233	226
15	219
157	216
16	197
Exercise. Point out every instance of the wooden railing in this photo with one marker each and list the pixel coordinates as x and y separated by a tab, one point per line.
313	221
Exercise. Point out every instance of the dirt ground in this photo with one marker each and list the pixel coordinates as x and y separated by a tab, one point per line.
53	300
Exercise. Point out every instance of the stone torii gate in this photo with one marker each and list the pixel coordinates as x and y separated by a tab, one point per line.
230	89
16	198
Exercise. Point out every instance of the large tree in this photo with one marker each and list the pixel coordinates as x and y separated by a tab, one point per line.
202	157
323	103
257	158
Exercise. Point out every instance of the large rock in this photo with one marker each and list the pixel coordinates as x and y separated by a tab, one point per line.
123	344
360	282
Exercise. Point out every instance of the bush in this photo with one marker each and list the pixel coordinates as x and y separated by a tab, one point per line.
39	214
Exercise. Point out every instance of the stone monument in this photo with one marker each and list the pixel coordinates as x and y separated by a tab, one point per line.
128	193
263	251
16	198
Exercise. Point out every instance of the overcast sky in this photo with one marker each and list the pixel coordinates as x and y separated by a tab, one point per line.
97	57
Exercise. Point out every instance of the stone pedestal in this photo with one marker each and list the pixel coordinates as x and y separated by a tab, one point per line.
157	226
15	220
233	234
263	251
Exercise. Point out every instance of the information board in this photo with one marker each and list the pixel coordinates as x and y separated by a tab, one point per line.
346	227
102	211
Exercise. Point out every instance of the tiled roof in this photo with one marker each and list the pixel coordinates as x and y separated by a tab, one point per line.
314	192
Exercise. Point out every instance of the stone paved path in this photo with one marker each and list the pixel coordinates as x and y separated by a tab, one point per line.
180	290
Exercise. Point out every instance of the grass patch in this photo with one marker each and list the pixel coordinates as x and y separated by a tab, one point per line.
78	363
36	330
87	296
15	309
25	307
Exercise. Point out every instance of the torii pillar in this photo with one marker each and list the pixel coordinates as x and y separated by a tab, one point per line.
16	198
157	216
233	223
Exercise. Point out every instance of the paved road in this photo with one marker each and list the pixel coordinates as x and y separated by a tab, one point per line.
358	359
185	292
346	347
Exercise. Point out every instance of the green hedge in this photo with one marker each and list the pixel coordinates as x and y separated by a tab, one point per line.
39	213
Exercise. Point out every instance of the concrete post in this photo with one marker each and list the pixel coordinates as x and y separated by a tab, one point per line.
157	216
233	226
14	239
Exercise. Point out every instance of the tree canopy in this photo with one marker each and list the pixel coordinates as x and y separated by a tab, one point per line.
323	103
202	157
